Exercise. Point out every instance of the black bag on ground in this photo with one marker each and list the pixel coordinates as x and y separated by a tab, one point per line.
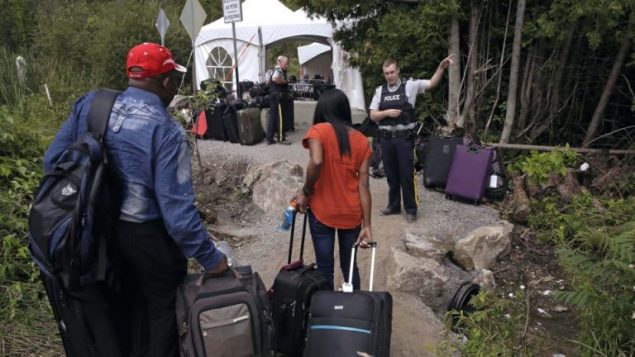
215	126
224	315
376	164
230	124
71	224
498	181
438	158
350	323
292	290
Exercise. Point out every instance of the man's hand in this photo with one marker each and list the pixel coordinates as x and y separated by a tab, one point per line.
220	268
446	62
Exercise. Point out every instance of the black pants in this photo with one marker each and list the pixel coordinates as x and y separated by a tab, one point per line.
155	267
274	125
398	158
278	109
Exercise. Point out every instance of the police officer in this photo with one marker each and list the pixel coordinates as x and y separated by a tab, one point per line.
392	108
278	95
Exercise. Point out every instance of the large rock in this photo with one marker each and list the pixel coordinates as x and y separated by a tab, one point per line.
420	245
273	185
434	282
481	247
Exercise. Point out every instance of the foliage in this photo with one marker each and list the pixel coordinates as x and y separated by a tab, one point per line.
493	329
597	249
600	262
538	166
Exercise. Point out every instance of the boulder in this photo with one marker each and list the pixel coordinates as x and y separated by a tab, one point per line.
434	282
273	185
480	248
421	245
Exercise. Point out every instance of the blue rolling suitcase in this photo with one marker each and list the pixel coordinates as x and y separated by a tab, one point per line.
347	323
469	173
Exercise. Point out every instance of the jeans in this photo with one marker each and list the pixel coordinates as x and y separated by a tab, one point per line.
324	244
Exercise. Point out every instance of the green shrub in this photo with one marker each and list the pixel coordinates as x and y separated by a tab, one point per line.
600	261
597	250
539	165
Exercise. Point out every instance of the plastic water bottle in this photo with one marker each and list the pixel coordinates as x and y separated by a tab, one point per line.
287	216
226	249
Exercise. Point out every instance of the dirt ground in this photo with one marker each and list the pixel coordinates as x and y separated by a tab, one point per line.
232	216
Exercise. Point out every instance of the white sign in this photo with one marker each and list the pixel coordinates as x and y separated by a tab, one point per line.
232	11
193	17
162	25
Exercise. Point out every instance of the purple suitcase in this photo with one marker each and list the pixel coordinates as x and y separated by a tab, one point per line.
468	175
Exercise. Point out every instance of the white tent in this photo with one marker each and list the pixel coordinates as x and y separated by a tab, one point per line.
266	22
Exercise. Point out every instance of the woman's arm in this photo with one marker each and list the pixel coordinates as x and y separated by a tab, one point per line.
313	170
366	202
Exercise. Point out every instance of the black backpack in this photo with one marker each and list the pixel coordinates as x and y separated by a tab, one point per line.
72	219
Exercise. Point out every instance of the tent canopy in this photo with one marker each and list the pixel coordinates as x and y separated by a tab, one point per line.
308	52
266	22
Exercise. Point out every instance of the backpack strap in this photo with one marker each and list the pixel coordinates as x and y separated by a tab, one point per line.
99	112
98	117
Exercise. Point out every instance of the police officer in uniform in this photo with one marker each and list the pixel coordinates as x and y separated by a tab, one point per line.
278	95
392	108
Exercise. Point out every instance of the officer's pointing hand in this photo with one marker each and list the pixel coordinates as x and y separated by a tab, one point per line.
446	62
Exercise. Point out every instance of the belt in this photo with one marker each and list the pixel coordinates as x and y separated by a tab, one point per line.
398	127
395	133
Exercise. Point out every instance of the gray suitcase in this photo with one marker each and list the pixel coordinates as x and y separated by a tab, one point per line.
224	315
250	130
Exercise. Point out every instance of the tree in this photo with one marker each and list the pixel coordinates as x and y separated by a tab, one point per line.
513	73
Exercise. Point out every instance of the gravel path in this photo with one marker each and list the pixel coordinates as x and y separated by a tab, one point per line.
415	328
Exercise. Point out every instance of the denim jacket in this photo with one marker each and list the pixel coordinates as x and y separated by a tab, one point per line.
150	154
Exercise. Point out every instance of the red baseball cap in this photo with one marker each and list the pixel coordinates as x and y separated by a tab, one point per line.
153	59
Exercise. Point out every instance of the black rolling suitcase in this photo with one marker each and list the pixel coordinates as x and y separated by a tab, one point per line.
292	290
215	127
230	123
224	315
438	158
90	321
346	323
289	115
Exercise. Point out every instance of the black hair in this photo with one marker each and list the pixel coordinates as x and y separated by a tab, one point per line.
333	108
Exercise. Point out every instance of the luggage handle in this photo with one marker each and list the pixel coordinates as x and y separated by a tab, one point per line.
304	224
348	286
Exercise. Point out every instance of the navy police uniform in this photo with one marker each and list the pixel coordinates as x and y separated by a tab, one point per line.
278	107
397	146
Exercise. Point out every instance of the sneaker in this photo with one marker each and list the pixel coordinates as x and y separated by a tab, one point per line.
410	217
389	211
284	142
270	142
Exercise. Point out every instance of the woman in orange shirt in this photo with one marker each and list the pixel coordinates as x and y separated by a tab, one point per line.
336	186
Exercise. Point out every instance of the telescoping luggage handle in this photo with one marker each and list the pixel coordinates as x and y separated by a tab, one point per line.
304	224
348	286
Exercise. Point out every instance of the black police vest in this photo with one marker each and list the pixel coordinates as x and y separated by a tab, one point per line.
396	100
274	87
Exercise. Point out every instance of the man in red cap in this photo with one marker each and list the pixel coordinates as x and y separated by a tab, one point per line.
159	226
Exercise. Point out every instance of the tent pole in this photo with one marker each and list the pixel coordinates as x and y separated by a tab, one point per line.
238	94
